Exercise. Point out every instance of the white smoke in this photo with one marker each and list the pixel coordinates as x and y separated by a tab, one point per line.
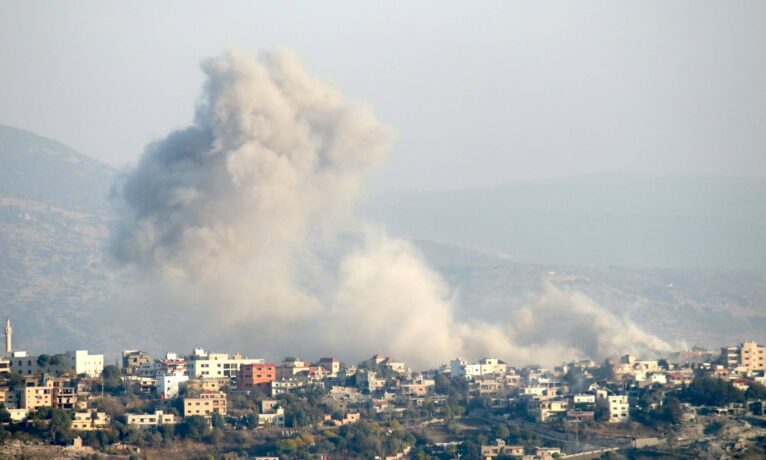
244	221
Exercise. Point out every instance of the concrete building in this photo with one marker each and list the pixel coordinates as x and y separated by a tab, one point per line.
418	388
34	397
280	387
292	367
551	409
332	365
460	368
91	420
77	361
500	448
256	377
748	357
273	419
133	359
18	415
619	410
206	404
156	419
201	365
168	386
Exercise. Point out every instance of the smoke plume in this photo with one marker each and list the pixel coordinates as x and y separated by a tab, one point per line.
244	223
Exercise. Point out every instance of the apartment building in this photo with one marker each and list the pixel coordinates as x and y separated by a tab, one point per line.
34	397
77	361
619	410
201	365
206	404
169	386
486	366
256	377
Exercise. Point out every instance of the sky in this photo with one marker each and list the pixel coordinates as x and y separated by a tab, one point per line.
481	93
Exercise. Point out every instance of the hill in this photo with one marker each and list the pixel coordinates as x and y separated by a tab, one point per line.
39	169
686	222
53	224
57	286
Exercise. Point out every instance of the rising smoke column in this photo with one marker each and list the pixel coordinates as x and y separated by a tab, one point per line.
243	223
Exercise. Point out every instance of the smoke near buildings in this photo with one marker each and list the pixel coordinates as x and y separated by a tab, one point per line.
245	222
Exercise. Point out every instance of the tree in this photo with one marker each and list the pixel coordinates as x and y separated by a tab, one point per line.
5	416
756	391
217	420
711	392
112	379
672	411
59	427
194	427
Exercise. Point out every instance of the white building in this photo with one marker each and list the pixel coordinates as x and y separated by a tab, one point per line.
156	419
78	361
619	410
203	365
275	418
486	366
168	386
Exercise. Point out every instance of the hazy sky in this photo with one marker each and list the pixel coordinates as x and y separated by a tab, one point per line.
481	92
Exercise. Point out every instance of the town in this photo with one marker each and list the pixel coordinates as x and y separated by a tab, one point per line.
698	403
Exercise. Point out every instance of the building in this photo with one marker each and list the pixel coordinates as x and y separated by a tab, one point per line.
749	356
418	388
91	420
291	367
33	397
332	365
752	357
501	448
156	419
17	415
551	409
134	359
619	410
273	417
201	365
77	361
205	404
460	368
280	387
369	381
256	377
169	386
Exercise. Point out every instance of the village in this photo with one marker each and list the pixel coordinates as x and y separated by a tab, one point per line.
702	403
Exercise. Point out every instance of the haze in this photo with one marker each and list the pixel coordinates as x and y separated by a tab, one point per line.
481	94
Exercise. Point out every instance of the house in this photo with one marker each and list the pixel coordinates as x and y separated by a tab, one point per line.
156	419
133	359
551	409
280	387
91	420
274	418
418	387
501	448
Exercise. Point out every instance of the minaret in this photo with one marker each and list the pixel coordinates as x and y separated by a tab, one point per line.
8	335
